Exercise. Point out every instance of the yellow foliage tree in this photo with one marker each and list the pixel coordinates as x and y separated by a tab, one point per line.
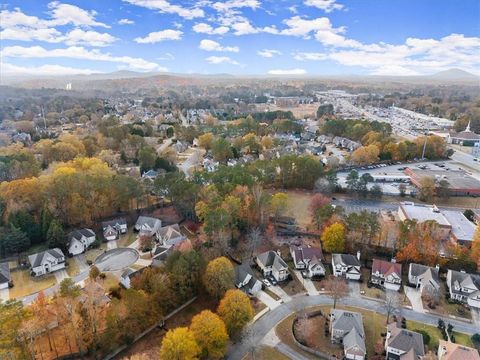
219	277
205	141
211	334
236	311
366	154
475	253
333	238
179	344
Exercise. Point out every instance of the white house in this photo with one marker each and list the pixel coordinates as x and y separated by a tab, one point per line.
346	265
170	235
147	226
422	276
387	274
5	278
464	287
270	263
245	280
308	259
112	228
403	344
47	261
80	240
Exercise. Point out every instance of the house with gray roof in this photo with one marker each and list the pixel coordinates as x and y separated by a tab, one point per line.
403	344
346	328
46	262
422	276
113	228
309	259
79	241
147	226
464	287
346	265
271	264
5	278
170	235
246	281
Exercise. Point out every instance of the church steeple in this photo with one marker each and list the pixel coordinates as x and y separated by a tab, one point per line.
467	129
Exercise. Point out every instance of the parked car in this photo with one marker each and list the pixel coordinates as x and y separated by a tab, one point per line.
272	280
266	282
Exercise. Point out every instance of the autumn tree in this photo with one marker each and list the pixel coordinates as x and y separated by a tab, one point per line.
219	277
12	340
336	287
94	273
179	344
365	155
205	141
333	238
278	204
236	311
211	334
426	190
222	150
475	251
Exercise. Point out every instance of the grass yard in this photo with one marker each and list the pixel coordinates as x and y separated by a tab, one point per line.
92	254
127	239
298	203
371	292
258	306
272	294
72	269
435	334
446	308
284	333
266	353
24	284
292	286
110	281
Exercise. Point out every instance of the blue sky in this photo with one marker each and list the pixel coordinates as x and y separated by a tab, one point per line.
312	37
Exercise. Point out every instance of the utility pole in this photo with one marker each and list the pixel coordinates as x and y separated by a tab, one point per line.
425	143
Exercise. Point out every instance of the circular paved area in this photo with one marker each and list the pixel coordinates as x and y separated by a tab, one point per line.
116	259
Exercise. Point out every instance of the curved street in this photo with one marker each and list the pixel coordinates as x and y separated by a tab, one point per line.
268	321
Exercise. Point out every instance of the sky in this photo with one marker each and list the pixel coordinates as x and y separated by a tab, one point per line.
241	37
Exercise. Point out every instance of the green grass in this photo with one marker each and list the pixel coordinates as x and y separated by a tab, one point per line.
25	285
73	268
266	353
126	239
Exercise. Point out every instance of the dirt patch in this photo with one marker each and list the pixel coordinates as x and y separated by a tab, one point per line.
167	214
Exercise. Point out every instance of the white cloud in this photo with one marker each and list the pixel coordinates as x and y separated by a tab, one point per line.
326	5
303	56
158	36
204	28
235	4
210	45
126	22
394	70
167	56
89	38
287	72
78	52
221	60
63	14
168	8
267	53
51	70
244	28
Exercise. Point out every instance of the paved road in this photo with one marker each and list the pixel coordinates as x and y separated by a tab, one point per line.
466	160
262	326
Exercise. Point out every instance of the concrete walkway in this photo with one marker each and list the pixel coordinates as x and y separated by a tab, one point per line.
277	290
143	262
354	287
270	302
307	283
112	244
415	297
475	316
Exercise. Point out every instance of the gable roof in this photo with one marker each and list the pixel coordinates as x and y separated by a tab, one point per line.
4	273
77	234
147	220
386	267
463	280
347	320
37	259
405	340
354	339
345	259
420	269
271	258
305	253
114	223
170	232
454	351
244	272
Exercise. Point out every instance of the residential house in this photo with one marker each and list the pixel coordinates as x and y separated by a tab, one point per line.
271	264
451	351
160	254
464	287
80	240
5	278
308	259
403	344
128	275
147	226
346	265
113	228
246	280
347	327
170	235
46	262
422	276
150	175
387	274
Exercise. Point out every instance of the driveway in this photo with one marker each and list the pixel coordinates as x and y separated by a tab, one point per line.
415	297
270	302
112	244
81	262
277	290
354	288
307	283
5	294
60	275
475	316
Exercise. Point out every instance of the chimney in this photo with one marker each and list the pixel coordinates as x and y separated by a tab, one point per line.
358	255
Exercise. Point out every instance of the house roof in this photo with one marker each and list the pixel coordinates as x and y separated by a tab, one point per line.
386	267
419	269
242	272
271	258
305	253
347	320
170	232
462	228
463	280
405	340
454	351
354	339
37	259
465	135
423	213
114	223
146	220
77	234
345	259
4	273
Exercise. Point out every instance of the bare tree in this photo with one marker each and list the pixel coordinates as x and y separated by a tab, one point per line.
392	303
336	287
254	237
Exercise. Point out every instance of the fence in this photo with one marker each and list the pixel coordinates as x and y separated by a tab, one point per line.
149	330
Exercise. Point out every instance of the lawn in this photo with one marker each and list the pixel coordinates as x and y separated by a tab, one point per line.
126	239
284	333
72	269
110	281
298	203
24	284
258	306
266	353
272	294
371	292
435	334
92	254
292	286
446	308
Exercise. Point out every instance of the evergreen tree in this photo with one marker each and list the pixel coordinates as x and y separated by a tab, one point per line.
56	235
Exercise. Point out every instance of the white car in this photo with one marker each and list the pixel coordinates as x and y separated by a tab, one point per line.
266	282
